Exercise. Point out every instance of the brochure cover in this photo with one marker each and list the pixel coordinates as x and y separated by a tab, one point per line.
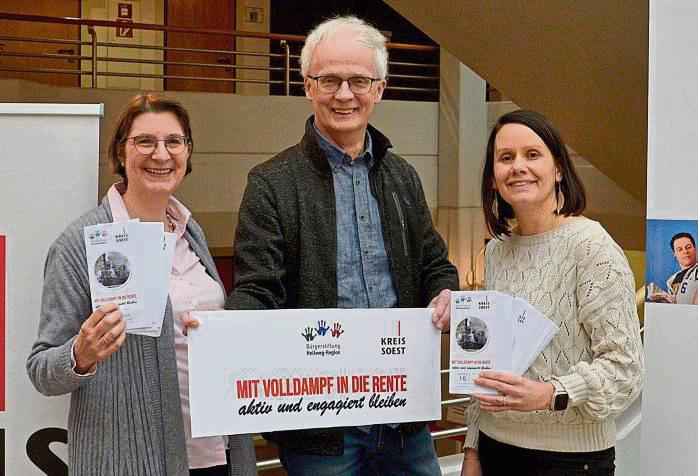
114	263
493	331
481	338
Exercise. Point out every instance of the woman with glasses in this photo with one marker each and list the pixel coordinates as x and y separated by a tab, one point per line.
558	418
129	411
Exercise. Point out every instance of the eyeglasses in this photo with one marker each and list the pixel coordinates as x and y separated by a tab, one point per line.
146	144
331	84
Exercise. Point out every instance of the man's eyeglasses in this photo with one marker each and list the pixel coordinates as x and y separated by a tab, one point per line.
146	144
331	84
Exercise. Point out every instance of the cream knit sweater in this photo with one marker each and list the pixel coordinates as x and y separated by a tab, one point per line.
578	277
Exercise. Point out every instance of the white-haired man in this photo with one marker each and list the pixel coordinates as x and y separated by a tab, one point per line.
339	221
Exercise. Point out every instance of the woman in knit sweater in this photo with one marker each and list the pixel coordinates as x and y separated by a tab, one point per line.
558	418
129	406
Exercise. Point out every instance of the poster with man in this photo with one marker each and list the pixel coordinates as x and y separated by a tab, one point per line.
672	271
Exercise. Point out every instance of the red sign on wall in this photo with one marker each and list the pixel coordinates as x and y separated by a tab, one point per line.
124	15
3	303
124	31
125	11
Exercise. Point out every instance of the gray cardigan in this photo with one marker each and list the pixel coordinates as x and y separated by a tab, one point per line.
127	417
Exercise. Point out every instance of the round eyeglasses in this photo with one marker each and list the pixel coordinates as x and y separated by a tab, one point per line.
331	84
146	144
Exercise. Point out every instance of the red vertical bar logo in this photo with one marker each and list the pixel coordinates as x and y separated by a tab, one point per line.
3	303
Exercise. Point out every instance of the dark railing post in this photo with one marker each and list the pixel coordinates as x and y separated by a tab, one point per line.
287	66
93	36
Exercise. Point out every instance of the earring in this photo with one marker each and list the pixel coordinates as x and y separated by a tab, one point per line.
560	198
495	206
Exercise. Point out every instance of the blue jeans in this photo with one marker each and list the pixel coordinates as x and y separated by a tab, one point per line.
383	451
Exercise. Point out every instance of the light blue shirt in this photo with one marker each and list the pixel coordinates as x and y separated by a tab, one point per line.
364	279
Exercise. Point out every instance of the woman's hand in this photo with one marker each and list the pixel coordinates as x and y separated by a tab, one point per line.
471	463
99	337
189	322
442	312
517	393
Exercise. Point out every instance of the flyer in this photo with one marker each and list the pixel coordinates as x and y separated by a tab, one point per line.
493	331
114	264
482	338
129	263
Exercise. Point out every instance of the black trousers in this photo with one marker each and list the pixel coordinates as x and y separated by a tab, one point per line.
210	471
500	459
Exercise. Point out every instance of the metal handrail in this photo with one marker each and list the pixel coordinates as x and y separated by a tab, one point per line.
178	29
93	40
150	27
289	72
43	40
112	44
107	59
287	66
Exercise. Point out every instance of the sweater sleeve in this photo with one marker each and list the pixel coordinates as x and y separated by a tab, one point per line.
607	384
472	420
65	305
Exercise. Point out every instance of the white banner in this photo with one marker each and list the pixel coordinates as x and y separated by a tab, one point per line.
39	197
257	371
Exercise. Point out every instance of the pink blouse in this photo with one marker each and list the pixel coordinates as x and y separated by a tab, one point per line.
190	287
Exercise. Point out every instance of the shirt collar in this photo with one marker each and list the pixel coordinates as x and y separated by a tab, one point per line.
179	213
336	155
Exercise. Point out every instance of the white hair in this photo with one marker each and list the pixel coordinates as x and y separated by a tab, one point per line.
367	34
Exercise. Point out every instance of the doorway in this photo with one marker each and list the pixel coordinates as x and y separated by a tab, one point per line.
209	15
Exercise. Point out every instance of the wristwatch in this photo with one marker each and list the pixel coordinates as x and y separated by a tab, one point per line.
560	397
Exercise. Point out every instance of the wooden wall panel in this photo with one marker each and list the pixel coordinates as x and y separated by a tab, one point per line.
210	15
57	8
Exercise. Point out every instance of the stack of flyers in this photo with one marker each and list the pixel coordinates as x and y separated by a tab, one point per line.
129	263
533	330
493	331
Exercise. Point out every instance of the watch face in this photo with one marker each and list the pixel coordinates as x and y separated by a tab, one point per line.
561	400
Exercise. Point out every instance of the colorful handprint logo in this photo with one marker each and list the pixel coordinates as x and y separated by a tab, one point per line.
337	330
308	334
322	330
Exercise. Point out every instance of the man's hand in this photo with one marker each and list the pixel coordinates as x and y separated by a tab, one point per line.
442	310
660	297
